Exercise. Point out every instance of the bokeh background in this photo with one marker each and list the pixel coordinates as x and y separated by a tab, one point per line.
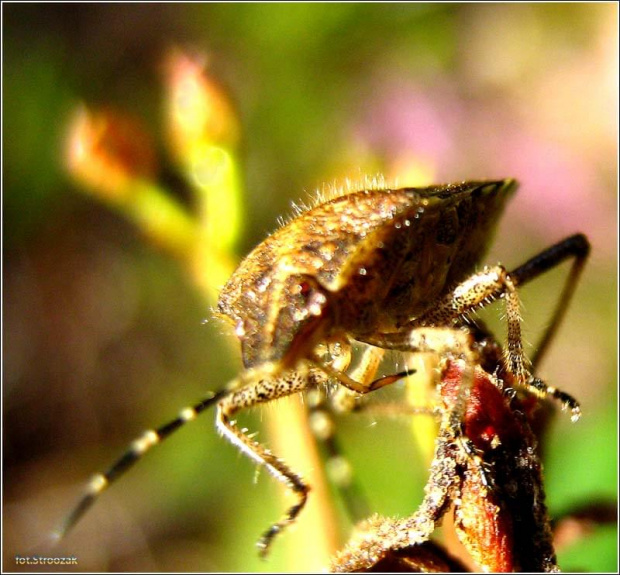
104	335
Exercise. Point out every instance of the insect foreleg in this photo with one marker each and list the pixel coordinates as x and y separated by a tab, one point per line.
261	391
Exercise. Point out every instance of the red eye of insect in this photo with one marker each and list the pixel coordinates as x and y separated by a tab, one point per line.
304	288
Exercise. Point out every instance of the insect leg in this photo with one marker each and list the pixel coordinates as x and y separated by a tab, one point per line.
518	363
378	535
439	490
484	287
263	390
344	399
136	451
577	247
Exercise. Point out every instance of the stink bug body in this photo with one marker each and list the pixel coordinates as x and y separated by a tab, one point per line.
393	268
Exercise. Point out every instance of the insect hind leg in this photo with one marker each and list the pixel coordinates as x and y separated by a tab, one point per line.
138	448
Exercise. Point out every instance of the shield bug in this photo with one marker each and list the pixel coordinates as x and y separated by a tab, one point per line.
393	268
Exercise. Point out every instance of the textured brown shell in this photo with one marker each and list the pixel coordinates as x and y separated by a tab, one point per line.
362	263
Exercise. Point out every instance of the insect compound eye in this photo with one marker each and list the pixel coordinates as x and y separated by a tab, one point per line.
304	288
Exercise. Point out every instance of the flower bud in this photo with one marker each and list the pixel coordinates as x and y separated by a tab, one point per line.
199	112
108	151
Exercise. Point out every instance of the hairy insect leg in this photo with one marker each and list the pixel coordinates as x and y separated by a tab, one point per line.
378	536
139	447
518	363
576	247
439	490
484	287
265	388
477	291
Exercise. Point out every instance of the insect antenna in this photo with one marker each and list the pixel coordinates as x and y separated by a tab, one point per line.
136	451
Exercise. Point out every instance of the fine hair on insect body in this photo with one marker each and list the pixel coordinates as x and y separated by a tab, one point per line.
393	268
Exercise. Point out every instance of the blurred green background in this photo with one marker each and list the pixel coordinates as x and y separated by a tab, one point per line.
104	336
